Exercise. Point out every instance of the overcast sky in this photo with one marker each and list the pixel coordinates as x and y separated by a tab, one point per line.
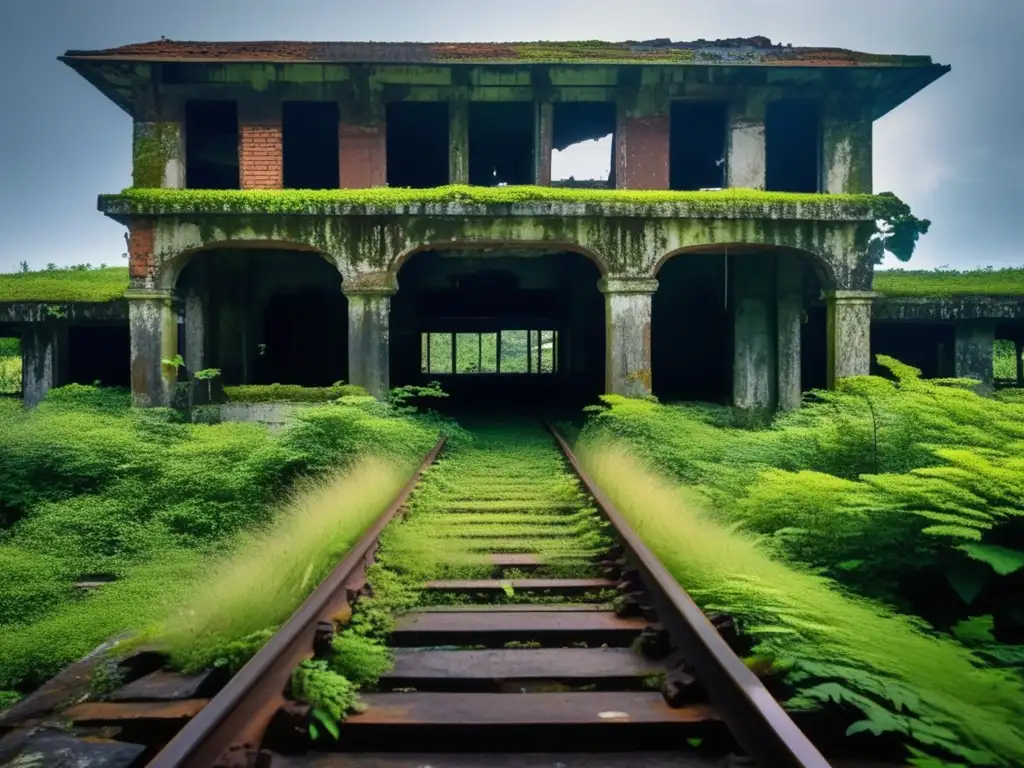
955	151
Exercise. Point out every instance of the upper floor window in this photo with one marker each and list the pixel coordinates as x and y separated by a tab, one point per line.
582	142
501	142
211	145
417	144
697	141
309	145
793	146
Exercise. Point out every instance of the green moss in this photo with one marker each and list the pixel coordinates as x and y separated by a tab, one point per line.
289	393
153	147
321	202
63	285
944	283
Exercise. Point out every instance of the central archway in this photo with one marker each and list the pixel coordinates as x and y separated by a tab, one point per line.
505	327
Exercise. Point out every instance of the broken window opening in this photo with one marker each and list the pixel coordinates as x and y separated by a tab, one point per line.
417	144
507	351
793	146
309	145
697	141
501	143
582	135
211	145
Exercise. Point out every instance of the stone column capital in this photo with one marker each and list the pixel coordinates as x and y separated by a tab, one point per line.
370	284
628	285
851	297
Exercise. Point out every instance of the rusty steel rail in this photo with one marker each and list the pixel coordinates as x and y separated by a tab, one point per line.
239	714
757	721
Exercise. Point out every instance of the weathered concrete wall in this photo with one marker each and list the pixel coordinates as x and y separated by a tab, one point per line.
154	337
368	340
44	360
745	159
754	355
273	415
628	335
972	352
846	149
458	141
849	334
789	322
933	310
17	312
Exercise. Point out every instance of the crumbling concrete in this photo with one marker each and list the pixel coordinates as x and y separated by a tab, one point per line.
154	338
849	334
628	334
44	360
972	352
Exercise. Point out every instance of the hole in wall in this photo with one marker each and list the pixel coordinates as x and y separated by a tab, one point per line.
582	134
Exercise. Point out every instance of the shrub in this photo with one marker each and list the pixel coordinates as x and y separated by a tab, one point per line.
289	393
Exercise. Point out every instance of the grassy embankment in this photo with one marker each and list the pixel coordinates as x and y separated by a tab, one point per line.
90	489
870	544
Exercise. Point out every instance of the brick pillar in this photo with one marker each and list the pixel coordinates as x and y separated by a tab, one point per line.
628	334
362	154
141	258
260	157
849	334
153	325
641	151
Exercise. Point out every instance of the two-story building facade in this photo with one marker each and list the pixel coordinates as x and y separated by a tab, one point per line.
387	213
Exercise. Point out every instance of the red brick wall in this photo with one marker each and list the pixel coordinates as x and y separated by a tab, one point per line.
642	153
260	157
141	260
362	155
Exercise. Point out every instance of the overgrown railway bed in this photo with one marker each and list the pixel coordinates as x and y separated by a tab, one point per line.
545	633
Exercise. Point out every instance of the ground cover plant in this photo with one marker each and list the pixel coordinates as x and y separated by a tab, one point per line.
65	284
885	515
950	282
93	490
10	366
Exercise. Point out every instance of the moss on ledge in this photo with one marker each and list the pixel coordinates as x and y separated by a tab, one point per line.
946	283
65	285
736	202
252	394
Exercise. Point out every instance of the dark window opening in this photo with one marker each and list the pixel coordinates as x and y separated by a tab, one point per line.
211	145
505	351
501	143
697	145
417	144
793	146
309	144
582	134
99	353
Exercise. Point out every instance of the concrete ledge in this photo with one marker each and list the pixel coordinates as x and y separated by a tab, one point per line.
929	309
41	311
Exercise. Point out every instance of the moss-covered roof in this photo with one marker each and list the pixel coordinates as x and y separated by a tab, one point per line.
751	50
943	283
65	285
730	203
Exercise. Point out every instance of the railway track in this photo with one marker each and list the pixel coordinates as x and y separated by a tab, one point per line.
546	633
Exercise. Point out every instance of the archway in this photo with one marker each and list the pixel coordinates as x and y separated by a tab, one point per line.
263	316
738	325
507	327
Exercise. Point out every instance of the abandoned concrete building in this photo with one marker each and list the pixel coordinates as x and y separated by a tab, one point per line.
293	219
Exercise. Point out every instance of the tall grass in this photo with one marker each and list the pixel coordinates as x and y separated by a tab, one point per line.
832	646
273	569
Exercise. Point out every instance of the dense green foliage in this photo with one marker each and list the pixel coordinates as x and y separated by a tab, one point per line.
1004	361
905	491
10	366
90	488
289	393
64	285
945	282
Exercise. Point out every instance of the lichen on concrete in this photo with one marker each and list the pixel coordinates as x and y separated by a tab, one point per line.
154	147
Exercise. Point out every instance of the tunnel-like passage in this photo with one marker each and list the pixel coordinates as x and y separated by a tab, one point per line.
517	328
263	316
738	325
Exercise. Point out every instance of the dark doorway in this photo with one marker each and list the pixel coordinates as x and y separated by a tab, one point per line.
793	146
300	332
697	145
211	145
417	137
309	145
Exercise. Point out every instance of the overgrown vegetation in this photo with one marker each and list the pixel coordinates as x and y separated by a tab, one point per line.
68	284
10	366
948	282
905	491
290	393
90	488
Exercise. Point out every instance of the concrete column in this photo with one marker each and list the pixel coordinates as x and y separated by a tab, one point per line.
754	383
789	315
745	163
973	341
44	360
849	334
368	338
458	140
846	149
195	333
628	334
153	324
543	145
158	154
